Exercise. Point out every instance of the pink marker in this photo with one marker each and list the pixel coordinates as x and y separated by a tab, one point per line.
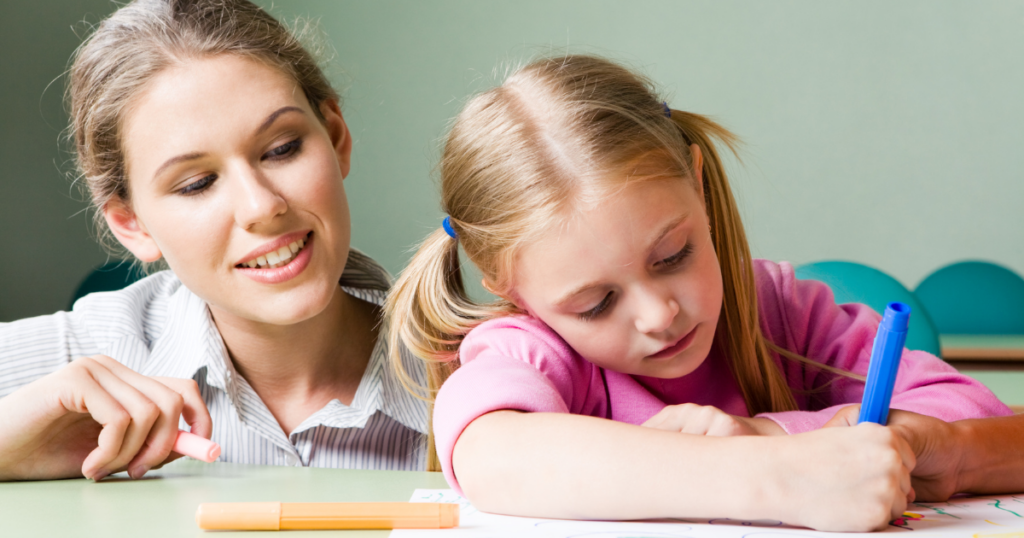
196	447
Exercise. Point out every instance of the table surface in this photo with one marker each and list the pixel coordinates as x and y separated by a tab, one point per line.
164	502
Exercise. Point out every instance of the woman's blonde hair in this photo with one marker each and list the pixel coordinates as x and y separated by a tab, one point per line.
137	42
522	155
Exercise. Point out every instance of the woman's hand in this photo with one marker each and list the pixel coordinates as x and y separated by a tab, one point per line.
95	417
844	479
937	449
709	420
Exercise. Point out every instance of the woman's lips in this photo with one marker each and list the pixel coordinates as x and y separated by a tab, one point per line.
676	348
285	272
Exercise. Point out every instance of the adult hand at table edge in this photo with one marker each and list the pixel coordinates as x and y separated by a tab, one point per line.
95	417
935	444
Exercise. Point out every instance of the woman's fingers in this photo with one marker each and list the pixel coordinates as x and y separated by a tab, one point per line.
90	397
154	408
140	408
181	398
195	413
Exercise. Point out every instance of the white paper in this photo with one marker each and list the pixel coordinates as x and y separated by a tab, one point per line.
980	517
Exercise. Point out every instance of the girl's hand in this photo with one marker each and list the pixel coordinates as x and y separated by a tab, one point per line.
709	420
95	417
936	447
844	479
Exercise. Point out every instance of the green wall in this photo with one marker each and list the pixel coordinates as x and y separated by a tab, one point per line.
883	132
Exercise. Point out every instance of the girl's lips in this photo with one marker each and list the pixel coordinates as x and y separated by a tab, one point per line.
285	272
676	348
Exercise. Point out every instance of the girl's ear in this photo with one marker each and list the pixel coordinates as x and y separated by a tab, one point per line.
490	288
512	298
130	231
698	172
341	139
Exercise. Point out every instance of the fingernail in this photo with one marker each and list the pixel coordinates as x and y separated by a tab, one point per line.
99	475
137	471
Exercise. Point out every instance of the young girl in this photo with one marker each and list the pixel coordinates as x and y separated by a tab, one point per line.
605	223
210	139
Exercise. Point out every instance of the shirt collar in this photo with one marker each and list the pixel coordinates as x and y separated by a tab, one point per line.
191	342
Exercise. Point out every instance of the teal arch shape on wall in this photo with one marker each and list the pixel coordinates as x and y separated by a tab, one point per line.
974	297
853	282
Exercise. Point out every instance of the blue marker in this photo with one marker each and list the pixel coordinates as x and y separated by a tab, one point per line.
885	361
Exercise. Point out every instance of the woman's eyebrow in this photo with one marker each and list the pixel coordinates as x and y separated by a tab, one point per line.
273	117
263	127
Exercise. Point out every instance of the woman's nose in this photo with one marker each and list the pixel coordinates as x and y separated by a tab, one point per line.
257	201
657	312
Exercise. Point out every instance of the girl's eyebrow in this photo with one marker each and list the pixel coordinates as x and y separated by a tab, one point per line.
650	248
263	127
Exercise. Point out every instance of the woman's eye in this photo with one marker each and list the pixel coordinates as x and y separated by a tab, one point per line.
284	150
198	186
597	310
678	257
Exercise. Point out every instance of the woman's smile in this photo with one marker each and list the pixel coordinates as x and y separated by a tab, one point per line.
279	260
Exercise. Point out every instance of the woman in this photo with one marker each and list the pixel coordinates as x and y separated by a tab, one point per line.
210	141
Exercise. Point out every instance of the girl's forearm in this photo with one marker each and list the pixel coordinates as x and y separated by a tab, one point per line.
992	459
572	466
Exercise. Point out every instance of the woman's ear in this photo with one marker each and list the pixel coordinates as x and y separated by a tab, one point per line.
130	231
341	139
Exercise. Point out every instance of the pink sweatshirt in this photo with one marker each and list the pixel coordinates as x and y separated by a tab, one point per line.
519	363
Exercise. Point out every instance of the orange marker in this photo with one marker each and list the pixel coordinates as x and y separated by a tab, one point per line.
274	516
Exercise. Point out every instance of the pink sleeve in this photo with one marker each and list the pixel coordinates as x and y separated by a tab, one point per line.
801	316
511	363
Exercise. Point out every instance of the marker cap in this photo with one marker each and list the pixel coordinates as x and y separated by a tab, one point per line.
197	447
896	317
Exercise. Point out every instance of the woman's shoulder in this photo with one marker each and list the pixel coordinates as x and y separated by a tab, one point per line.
139	309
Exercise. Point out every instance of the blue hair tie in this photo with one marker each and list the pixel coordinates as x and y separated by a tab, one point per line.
447	225
668	111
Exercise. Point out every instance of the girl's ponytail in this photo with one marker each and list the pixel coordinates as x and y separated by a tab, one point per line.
429	312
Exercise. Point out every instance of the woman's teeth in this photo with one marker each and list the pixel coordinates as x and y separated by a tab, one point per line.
278	257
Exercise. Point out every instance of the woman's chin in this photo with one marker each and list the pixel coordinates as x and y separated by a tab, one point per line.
283	308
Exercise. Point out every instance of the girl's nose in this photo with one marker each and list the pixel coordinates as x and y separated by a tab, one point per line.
257	201
656	313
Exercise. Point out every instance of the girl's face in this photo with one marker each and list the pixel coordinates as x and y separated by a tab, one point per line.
632	284
229	168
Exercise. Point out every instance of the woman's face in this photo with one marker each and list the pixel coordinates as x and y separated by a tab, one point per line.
237	184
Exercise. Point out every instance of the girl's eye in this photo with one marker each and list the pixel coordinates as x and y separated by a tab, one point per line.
198	186
597	310
678	257
284	150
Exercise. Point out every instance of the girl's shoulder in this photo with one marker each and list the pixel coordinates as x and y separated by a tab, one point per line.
803	317
520	337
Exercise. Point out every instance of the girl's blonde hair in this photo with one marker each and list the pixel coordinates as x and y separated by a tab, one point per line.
137	42
521	156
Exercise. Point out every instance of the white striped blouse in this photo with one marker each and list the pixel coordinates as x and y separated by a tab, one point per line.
158	327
